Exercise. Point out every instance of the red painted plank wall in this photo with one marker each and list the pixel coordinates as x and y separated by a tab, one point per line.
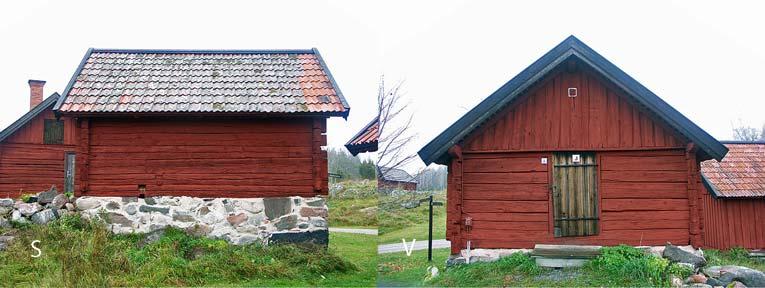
646	182
547	119
203	157
642	202
29	166
730	223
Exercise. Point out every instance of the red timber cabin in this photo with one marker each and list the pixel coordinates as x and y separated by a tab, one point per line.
203	123
573	151
37	150
734	197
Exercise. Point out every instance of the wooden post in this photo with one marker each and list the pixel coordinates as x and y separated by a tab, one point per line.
454	200
693	197
319	157
83	155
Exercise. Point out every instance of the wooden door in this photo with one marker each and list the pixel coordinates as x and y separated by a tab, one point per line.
575	194
69	172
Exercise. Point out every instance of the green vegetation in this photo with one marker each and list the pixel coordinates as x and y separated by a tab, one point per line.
735	256
353	204
397	222
77	252
616	267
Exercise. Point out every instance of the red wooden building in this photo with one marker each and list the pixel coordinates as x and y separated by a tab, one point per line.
395	179
36	151
366	139
734	198
205	123
573	151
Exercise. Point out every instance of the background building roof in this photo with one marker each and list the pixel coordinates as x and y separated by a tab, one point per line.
741	174
395	174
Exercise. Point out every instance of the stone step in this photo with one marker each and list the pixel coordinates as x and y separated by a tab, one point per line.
559	262
566	251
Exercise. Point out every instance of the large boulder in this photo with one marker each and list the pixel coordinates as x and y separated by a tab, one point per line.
44	216
6	202
17	217
28	209
47	196
730	273
678	255
59	201
86	203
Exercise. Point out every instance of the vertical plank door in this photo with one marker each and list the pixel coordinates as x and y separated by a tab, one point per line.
575	194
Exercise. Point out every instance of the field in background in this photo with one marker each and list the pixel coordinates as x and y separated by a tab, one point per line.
353	204
396	221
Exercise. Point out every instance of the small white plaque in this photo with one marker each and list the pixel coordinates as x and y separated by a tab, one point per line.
575	158
544	160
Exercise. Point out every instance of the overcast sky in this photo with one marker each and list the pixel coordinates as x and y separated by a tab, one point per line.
705	60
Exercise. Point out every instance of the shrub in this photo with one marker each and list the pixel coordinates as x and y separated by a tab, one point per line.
626	265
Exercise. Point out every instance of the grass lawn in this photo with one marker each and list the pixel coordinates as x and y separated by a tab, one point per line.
397	222
77	252
618	266
353	205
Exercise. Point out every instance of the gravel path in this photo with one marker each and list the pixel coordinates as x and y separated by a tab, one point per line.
354	231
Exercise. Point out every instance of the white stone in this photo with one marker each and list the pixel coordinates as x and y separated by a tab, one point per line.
166	200
17	217
87	203
189	203
6	202
130	209
27	209
252	205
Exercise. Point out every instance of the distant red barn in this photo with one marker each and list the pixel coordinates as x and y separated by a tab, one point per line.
573	151
734	197
205	123
37	150
395	179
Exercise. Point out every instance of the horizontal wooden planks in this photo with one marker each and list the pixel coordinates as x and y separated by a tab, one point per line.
32	132
31	168
202	157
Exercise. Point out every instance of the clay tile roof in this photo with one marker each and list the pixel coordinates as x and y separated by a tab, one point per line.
741	174
366	139
203	81
395	174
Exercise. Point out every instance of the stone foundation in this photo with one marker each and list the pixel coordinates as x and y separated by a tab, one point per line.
237	220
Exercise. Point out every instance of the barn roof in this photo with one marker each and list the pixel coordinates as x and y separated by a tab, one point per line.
741	174
366	139
23	120
436	150
395	174
203	81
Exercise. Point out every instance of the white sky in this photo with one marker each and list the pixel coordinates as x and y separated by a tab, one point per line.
704	59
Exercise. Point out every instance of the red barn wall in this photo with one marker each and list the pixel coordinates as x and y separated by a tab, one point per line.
730	223
645	175
29	166
203	157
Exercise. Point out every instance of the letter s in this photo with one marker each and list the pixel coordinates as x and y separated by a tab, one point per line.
39	252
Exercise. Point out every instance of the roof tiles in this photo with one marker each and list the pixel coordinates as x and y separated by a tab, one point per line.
740	174
161	81
366	139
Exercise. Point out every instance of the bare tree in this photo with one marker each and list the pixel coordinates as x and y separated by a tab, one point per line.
395	127
747	133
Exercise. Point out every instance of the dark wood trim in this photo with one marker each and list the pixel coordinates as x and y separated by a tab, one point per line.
83	151
578	149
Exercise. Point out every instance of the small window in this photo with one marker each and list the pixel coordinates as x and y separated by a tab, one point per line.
54	132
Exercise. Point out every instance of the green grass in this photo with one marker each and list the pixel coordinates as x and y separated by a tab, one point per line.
347	201
397	269
78	253
397	222
735	256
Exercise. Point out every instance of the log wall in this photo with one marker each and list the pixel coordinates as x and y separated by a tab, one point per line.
203	157
29	166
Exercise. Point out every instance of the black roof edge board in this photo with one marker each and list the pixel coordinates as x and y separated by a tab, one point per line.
334	83
71	81
436	149
363	129
31	114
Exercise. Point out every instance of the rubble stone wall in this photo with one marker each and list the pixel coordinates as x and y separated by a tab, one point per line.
237	220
